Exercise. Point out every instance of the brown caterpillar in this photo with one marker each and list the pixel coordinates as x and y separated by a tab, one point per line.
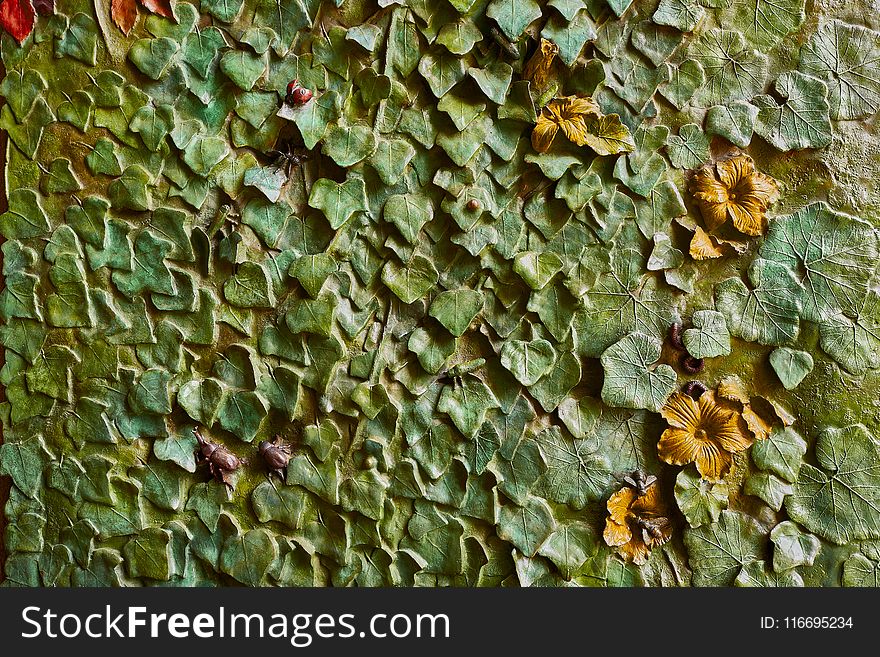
675	335
694	389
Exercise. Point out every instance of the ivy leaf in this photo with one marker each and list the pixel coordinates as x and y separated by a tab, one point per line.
782	452
791	366
225	11
681	14
844	58
569	547
27	136
60	178
269	180
556	307
103	159
459	37
284	505
391	158
441	71
241	413
206	501
312	271
153	124
409	213
570	35
709	337
620	303
313	118
528	361
493	80
364	492
764	23
178	449
700	501
792	547
202	153
319	476
21	90
23	462
684	81
717	552
285	18
733	72
757	574
77	111
630	381
839	499
50	373
339	201
734	121
348	145
517	475
528	526
768	488
249	287
767	313
312	315
858	570
576	473
854	343
513	16
835	255
433	348
130	191
412	280
402	45
247	557
467	404
152	56
689	148
149	271
456	309
25	217
802	121
664	255
149	554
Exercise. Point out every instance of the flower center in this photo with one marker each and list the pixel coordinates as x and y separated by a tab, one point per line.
732	196
700	434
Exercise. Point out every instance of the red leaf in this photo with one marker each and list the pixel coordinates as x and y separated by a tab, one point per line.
124	13
161	7
17	18
44	7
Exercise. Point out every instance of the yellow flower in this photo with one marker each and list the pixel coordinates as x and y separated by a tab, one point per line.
734	190
568	114
636	523
702	432
538	68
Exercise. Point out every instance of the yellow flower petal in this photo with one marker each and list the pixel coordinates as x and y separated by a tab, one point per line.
705	187
635	551
703	246
543	134
615	534
713	462
731	171
678	446
681	411
538	68
747	218
619	503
